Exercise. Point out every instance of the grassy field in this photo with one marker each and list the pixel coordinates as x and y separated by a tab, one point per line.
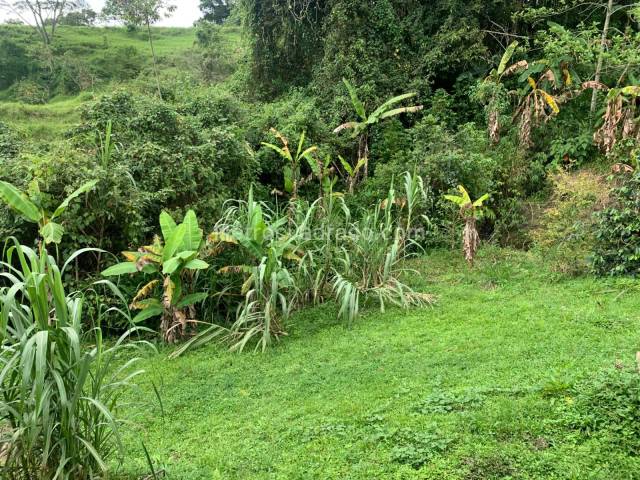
93	46
44	122
478	387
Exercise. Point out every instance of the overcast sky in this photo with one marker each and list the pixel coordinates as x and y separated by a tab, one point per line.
187	13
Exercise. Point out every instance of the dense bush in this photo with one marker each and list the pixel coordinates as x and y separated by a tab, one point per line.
565	230
617	248
30	92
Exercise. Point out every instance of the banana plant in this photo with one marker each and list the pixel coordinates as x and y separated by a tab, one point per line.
323	172
352	172
362	127
292	169
532	106
266	248
470	211
32	208
169	260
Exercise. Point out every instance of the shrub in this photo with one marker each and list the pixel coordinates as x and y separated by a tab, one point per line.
617	246
565	233
9	143
30	92
175	163
59	399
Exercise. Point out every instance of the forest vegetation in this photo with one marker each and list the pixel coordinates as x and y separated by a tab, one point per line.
320	239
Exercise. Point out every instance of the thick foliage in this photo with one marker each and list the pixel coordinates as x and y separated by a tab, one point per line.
565	230
618	230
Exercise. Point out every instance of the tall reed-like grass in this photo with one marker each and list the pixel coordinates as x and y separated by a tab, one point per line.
59	385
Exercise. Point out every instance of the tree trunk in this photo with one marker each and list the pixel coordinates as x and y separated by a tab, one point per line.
155	61
603	46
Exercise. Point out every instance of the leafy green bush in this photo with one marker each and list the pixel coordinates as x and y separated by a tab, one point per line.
9	143
59	397
617	246
565	230
175	160
30	92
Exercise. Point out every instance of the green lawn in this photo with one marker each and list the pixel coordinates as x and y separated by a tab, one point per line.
473	388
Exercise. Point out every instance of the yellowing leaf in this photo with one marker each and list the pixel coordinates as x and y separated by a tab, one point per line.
550	101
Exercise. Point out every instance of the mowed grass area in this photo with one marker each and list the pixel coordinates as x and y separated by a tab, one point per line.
474	388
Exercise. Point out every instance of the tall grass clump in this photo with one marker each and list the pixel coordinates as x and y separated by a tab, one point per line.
59	385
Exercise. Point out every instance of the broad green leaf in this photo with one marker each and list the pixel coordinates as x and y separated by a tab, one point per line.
307	153
377	114
191	299
359	165
171	265
506	57
346	165
193	233
481	200
19	201
398	111
83	189
196	264
455	199
300	144
465	194
313	165
147	313
357	104
120	269
280	151
167	225
52	232
288	179
172	244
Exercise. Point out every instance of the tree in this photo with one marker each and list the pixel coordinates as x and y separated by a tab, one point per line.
140	13
361	127
80	18
46	14
216	11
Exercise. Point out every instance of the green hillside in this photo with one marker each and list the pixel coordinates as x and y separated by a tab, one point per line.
110	57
